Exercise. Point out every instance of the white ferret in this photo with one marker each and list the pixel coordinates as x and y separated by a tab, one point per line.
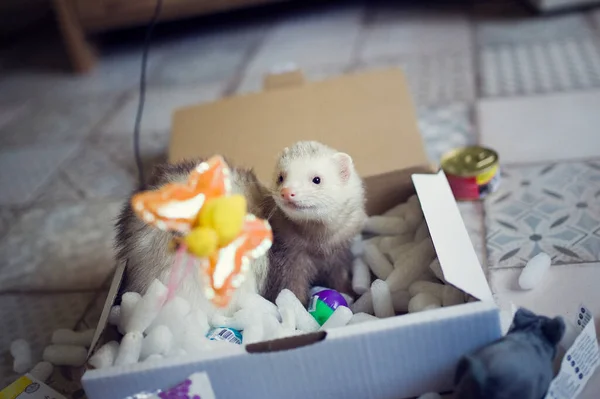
316	207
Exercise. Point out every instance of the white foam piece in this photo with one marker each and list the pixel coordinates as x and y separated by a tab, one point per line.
288	318
389	243
426	286
42	371
534	271
409	268
452	296
68	337
424	301
304	321
401	251
357	246
197	321
385	225
114	315
400	300
382	299
430	395
422	232
105	356
271	327
378	263
358	318
172	315
130	348
147	308
361	276
158	341
219	320
65	355
397	211
192	342
339	318
364	304
21	353
128	302
436	269
154	357
253	333
253	300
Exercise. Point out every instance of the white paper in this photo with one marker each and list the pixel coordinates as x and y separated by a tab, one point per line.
580	361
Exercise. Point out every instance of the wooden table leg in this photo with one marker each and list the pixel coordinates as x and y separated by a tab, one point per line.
80	51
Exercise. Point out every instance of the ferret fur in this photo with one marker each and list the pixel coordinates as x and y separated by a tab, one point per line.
311	246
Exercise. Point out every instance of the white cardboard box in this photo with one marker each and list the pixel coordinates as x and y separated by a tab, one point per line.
371	117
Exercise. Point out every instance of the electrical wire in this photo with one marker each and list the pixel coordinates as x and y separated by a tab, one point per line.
142	95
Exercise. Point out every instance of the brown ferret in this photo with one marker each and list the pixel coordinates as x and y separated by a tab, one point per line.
316	207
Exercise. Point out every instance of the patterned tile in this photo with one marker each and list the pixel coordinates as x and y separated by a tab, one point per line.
66	246
553	208
8	218
472	215
406	30
434	79
11	111
34	317
309	39
541	67
159	107
534	129
59	188
91	315
444	128
34	165
511	30
53	122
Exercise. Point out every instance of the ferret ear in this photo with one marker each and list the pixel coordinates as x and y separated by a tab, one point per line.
554	329
344	162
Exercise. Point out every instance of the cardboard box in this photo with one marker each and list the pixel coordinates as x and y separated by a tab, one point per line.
370	116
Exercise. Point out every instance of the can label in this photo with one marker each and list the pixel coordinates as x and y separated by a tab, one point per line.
473	172
225	334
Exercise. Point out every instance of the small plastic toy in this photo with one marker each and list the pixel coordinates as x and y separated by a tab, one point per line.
213	225
519	365
323	303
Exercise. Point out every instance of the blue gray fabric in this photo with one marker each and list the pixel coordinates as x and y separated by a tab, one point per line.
517	366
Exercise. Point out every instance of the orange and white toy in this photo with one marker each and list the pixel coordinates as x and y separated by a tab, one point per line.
215	225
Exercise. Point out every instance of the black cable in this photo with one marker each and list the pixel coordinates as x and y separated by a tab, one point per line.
142	99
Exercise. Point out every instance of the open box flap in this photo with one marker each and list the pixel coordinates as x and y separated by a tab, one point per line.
449	235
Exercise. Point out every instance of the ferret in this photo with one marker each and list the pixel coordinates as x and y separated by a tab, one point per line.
315	207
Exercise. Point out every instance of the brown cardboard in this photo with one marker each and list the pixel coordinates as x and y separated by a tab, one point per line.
370	116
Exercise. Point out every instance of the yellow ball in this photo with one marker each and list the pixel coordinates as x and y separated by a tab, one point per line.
228	218
202	241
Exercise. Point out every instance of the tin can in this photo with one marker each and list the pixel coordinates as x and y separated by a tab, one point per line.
473	172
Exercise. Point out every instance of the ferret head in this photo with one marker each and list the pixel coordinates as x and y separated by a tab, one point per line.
313	182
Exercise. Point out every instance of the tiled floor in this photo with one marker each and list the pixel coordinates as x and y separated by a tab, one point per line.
485	73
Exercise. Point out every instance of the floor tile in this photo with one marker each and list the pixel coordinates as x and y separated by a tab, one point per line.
24	170
65	246
53	122
530	68
159	106
59	188
91	315
207	57
34	317
309	39
534	129
444	128
406	30
11	111
119	149
440	78
531	28
552	208
94	173
8	217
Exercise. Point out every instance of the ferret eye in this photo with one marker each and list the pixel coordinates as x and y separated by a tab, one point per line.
280	179
317	180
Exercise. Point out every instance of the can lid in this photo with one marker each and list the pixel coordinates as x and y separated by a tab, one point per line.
469	161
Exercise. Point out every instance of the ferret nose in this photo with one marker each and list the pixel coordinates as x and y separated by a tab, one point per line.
287	194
